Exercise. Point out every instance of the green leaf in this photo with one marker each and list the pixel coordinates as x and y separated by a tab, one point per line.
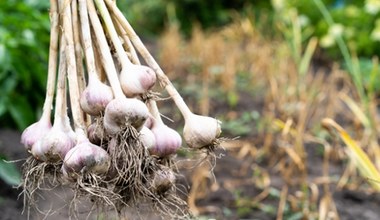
9	173
21	111
296	216
233	98
360	158
3	105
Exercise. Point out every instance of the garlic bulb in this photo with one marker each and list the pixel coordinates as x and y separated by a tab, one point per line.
95	97
201	131
54	145
136	79
163	180
35	132
95	133
167	140
123	112
147	138
85	157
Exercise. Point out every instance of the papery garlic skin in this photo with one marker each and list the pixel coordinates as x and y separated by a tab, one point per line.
95	97
201	131
123	112
136	80
35	132
85	157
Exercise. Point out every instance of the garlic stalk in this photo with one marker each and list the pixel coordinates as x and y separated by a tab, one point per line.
167	140
98	58
77	46
105	53
97	95
78	55
84	156
71	67
59	140
159	139
199	131
38	129
134	79
127	43
121	111
164	80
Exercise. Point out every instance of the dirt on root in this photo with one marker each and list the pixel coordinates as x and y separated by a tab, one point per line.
225	191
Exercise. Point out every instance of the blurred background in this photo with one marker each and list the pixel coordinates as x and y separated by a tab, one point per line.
296	84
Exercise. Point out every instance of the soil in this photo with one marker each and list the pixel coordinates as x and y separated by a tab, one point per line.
231	182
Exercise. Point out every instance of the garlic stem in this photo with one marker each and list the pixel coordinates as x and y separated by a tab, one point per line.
78	46
102	8
53	53
152	105
78	56
131	49
61	117
127	43
164	80
71	68
87	42
98	62
107	60
60	100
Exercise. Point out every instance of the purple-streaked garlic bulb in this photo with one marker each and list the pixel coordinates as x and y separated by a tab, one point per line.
168	140
54	145
85	158
95	97
35	132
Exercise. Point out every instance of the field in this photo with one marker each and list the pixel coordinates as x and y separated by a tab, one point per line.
300	131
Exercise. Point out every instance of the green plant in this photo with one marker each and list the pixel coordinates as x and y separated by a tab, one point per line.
353	68
369	72
357	22
24	39
345	30
212	13
8	172
242	125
